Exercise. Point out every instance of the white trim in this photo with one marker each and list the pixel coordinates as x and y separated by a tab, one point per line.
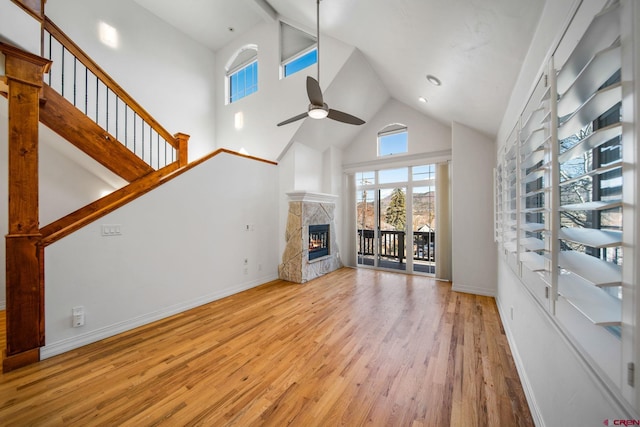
472	290
3	305
53	349
399	161
307	196
235	55
393	128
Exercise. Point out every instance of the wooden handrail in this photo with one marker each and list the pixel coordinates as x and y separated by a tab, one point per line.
72	47
74	221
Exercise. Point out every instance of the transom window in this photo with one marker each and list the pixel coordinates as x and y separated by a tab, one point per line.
393	139
242	74
300	62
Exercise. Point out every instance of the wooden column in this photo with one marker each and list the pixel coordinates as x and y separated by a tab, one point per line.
183	154
24	263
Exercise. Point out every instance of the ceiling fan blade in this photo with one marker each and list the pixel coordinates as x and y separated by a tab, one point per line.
344	117
314	92
293	119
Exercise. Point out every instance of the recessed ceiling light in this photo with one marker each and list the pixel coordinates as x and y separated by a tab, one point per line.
434	80
422	99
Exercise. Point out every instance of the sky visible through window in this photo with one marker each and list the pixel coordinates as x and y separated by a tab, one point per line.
301	62
243	82
394	143
400	175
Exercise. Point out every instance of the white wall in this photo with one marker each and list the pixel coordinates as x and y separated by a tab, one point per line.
166	72
276	99
68	178
301	169
182	245
332	183
426	135
356	90
472	246
18	28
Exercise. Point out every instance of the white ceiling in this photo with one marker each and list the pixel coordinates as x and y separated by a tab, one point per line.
475	47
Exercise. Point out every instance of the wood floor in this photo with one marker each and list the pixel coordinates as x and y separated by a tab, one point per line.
356	347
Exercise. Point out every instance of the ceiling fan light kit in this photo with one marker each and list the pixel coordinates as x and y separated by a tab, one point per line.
318	109
316	112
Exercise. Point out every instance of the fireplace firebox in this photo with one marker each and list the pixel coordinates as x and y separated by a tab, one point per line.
318	241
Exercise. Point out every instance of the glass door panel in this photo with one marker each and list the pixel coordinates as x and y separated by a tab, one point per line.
392	223
423	227
365	212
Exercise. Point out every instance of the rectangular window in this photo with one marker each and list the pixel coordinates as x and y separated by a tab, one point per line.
365	178
243	82
393	142
424	173
300	62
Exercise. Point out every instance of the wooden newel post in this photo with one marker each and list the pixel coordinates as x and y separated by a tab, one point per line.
25	283
183	153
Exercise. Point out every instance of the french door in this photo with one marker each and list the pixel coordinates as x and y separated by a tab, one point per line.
395	217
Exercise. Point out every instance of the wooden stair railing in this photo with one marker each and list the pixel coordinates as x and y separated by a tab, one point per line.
73	125
84	84
31	101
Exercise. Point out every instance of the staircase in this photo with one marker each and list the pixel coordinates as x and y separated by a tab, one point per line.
69	93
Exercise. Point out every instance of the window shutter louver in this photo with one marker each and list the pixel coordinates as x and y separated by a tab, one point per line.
591	248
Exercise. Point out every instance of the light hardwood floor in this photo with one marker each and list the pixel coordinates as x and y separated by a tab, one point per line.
356	347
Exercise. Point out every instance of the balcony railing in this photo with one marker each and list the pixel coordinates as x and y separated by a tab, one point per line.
392	245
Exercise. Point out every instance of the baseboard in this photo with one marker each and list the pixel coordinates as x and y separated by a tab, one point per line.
53	349
524	379
456	287
3	305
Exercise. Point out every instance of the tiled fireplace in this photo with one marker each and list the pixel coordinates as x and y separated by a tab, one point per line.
311	249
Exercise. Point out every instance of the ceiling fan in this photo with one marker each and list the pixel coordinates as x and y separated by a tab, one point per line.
318	109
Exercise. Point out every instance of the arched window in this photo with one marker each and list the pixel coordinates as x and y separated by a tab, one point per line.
393	139
242	73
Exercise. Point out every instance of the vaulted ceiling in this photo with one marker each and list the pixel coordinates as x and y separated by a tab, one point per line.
475	47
